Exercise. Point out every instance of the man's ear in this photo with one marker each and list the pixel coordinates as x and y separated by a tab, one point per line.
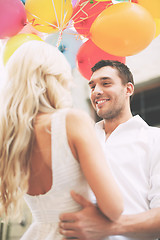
130	89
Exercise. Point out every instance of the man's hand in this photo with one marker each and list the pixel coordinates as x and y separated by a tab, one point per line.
91	224
87	224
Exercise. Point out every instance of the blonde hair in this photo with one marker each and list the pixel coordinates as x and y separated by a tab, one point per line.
38	76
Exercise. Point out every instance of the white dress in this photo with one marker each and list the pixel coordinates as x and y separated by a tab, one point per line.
67	176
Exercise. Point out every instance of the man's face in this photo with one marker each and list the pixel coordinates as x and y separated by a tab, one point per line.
108	94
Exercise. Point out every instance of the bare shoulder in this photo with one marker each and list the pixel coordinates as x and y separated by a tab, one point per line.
77	116
79	125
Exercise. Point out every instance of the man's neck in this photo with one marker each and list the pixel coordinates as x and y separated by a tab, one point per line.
111	124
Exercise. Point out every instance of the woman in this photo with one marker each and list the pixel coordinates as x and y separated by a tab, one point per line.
48	149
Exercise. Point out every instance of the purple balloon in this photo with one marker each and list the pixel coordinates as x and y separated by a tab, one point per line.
74	2
12	17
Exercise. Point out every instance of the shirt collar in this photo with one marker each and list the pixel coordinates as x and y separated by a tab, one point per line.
135	121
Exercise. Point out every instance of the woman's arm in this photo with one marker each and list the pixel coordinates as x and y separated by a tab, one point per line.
88	151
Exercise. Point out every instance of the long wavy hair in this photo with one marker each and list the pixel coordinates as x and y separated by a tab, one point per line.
38	77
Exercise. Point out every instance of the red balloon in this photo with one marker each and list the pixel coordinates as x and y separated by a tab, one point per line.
89	54
85	13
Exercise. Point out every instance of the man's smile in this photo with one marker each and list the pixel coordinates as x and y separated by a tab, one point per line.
101	102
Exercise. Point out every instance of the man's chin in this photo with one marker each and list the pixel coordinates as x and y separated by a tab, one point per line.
105	115
100	114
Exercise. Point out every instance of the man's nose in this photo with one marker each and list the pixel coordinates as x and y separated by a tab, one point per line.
98	90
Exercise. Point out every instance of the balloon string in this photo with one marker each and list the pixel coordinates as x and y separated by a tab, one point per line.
85	14
55	13
93	5
63	20
83	5
32	21
87	17
84	18
62	26
59	38
81	9
61	10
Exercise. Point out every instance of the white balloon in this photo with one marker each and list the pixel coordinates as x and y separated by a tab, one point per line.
119	1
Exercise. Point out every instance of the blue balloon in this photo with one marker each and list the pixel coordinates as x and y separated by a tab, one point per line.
23	1
69	44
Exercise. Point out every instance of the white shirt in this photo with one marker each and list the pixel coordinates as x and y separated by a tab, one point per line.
133	153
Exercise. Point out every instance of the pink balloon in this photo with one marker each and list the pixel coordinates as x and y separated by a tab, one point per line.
89	54
12	17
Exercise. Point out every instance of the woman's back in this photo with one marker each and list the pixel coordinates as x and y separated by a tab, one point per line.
66	175
40	180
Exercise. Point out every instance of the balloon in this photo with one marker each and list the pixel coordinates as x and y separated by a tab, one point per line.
74	2
23	1
28	28
118	1
153	6
89	54
85	13
15	42
157	21
123	29
50	15
12	17
69	44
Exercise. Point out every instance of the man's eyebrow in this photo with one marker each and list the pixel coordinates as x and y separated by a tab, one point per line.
104	78
90	82
101	79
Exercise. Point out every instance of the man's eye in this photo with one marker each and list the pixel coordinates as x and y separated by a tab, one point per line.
92	87
106	83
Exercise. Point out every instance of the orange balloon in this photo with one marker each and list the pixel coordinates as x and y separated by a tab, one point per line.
157	21
153	6
123	29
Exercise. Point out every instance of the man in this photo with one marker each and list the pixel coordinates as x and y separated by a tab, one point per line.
133	152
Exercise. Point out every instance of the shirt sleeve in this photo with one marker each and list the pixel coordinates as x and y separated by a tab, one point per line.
154	171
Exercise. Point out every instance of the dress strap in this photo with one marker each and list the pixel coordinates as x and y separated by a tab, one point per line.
61	152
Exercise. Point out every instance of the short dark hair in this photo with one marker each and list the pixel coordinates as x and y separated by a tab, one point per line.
123	71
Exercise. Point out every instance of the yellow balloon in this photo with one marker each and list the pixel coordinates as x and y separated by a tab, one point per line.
153	6
15	42
123	29
157	21
49	15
